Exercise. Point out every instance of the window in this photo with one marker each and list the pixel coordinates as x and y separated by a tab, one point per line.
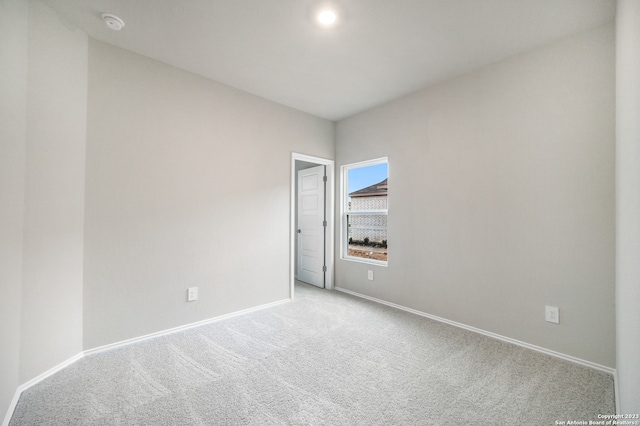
364	211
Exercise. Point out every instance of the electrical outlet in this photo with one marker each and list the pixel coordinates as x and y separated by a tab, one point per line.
192	294
552	314
370	275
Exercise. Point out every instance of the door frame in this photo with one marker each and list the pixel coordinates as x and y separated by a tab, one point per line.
330	215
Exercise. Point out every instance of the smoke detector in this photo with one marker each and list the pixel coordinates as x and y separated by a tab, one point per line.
112	21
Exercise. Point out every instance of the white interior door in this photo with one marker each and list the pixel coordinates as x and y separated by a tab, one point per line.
311	229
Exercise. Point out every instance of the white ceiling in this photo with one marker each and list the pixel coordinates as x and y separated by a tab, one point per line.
381	49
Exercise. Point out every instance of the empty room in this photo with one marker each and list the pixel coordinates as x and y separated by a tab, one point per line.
227	212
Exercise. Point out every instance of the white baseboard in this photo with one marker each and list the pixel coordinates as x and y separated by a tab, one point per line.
63	365
566	357
12	408
180	328
37	379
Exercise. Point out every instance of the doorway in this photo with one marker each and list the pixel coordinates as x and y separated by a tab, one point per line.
312	204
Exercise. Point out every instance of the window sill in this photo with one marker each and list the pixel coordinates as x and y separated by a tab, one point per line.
367	261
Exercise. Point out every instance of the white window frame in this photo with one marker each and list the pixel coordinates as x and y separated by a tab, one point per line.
344	212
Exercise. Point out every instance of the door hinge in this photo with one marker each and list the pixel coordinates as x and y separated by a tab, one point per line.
324	268
324	223
324	178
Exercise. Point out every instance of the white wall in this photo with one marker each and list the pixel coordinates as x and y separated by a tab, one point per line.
501	197
628	203
42	134
187	185
14	31
51	327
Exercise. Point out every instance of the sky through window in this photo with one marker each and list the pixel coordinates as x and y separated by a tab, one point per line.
362	177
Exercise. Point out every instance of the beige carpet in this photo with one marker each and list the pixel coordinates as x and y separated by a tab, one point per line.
326	359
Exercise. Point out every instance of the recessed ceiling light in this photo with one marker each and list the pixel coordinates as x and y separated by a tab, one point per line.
112	21
327	17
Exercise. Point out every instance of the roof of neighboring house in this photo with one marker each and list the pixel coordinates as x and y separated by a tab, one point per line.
373	190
